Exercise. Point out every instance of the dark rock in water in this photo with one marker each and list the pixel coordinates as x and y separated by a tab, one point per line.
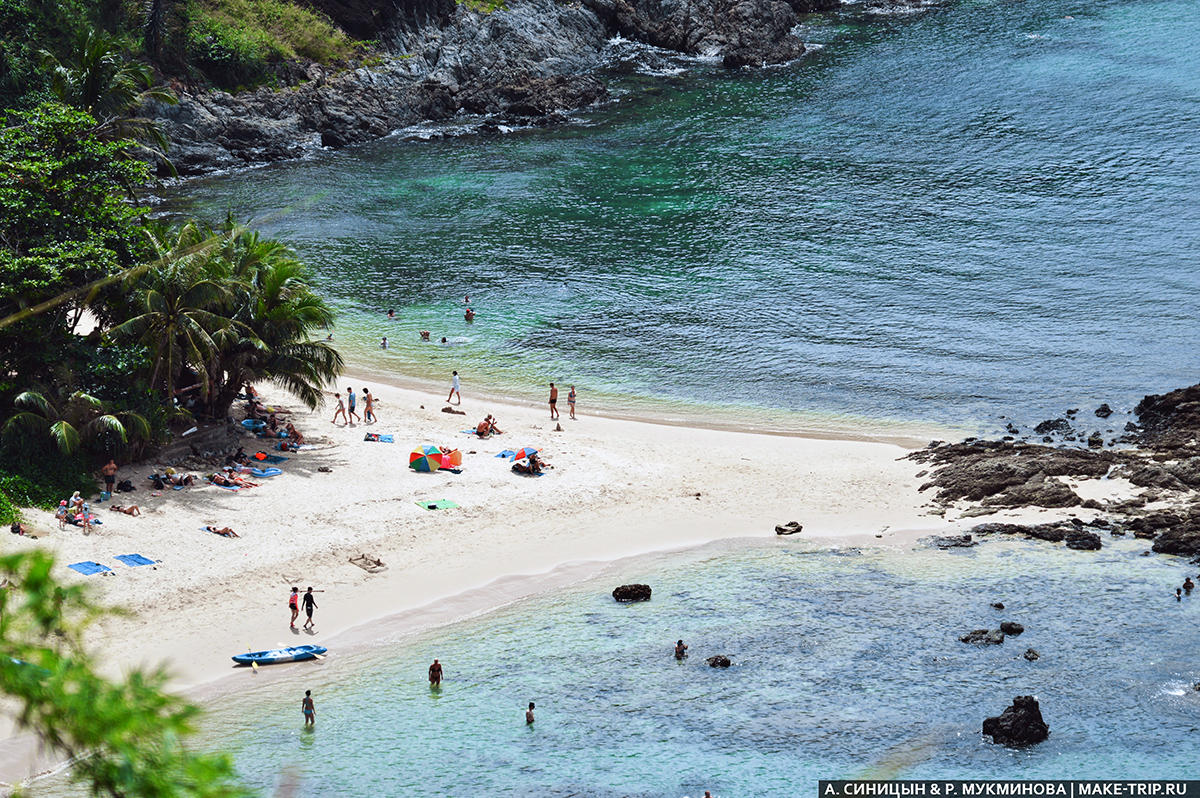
1101	523
1011	628
1047	439
1104	411
1082	540
1092	504
790	528
997	605
626	593
1131	427
1021	724
1150	525
951	541
1072	411
1012	429
719	661
1032	654
1053	425
1095	440
1181	539
983	637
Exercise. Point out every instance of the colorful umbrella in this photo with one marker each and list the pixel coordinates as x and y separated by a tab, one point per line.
523	452
425	458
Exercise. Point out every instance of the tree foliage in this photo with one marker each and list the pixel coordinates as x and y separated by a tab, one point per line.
127	737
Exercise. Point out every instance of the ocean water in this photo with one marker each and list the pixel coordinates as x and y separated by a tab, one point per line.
845	663
986	208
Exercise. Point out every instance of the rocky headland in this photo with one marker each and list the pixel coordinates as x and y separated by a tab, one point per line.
526	63
1145	482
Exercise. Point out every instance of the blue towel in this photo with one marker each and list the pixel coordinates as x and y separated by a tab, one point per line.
274	458
87	567
468	432
380	438
134	559
506	453
226	487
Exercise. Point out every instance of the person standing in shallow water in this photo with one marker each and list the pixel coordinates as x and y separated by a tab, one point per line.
435	674
310	711
680	650
529	715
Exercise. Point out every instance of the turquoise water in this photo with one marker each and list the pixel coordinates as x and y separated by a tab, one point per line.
986	208
843	662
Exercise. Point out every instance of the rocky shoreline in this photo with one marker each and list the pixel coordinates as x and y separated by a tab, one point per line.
1154	468
526	64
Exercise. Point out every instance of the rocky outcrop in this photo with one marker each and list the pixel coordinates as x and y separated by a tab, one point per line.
950	541
1011	628
1104	411
1019	725
628	593
980	470
719	661
1183	538
1171	422
524	64
1082	540
983	637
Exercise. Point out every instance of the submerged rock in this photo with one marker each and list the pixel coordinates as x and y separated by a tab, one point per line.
1053	425
1082	540
1021	724
997	605
627	593
1181	539
951	541
718	661
1032	654
983	637
1011	628
1104	411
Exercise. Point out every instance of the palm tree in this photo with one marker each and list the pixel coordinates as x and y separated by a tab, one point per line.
82	417
279	315
179	308
99	79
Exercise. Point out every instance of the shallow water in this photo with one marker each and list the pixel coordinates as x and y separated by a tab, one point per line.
987	208
844	662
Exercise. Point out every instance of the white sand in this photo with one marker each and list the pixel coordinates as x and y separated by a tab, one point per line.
618	488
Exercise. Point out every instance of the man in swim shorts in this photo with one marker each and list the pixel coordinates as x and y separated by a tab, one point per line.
553	402
435	674
310	604
109	472
310	711
351	403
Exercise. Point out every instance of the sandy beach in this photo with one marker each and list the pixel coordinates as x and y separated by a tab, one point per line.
617	488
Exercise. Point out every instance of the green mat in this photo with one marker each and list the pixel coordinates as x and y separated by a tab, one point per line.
438	504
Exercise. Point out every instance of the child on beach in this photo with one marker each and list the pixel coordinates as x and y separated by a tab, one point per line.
341	410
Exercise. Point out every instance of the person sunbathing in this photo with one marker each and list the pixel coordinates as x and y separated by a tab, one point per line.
180	479
273	422
294	434
484	428
132	509
224	532
534	467
223	480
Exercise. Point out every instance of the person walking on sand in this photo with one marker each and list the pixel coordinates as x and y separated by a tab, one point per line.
571	401
351	403
341	410
529	715
553	402
435	674
310	604
368	406
455	387
310	711
109	472
294	605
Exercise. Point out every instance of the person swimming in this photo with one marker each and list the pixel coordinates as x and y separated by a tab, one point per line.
680	650
1188	585
469	315
391	313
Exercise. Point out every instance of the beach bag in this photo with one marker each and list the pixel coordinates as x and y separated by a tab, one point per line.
260	455
125	486
158	483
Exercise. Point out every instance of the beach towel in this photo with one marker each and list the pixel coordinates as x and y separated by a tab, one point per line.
437	504
265	472
134	559
226	487
468	432
507	453
87	567
371	436
274	459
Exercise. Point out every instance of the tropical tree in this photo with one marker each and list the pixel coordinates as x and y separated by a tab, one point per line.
279	318
179	303
100	79
82	417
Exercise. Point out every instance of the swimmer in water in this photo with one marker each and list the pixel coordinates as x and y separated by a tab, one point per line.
444	340
383	343
680	650
424	335
391	313
529	715
469	315
1179	594
1188	585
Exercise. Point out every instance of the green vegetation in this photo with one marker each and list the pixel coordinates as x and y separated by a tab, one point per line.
483	6
127	737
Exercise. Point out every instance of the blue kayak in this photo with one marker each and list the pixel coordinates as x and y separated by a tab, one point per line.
275	655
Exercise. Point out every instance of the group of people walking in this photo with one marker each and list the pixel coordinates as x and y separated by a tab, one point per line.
347	409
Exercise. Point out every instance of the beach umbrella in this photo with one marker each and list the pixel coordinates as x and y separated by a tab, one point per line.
425	459
524	452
